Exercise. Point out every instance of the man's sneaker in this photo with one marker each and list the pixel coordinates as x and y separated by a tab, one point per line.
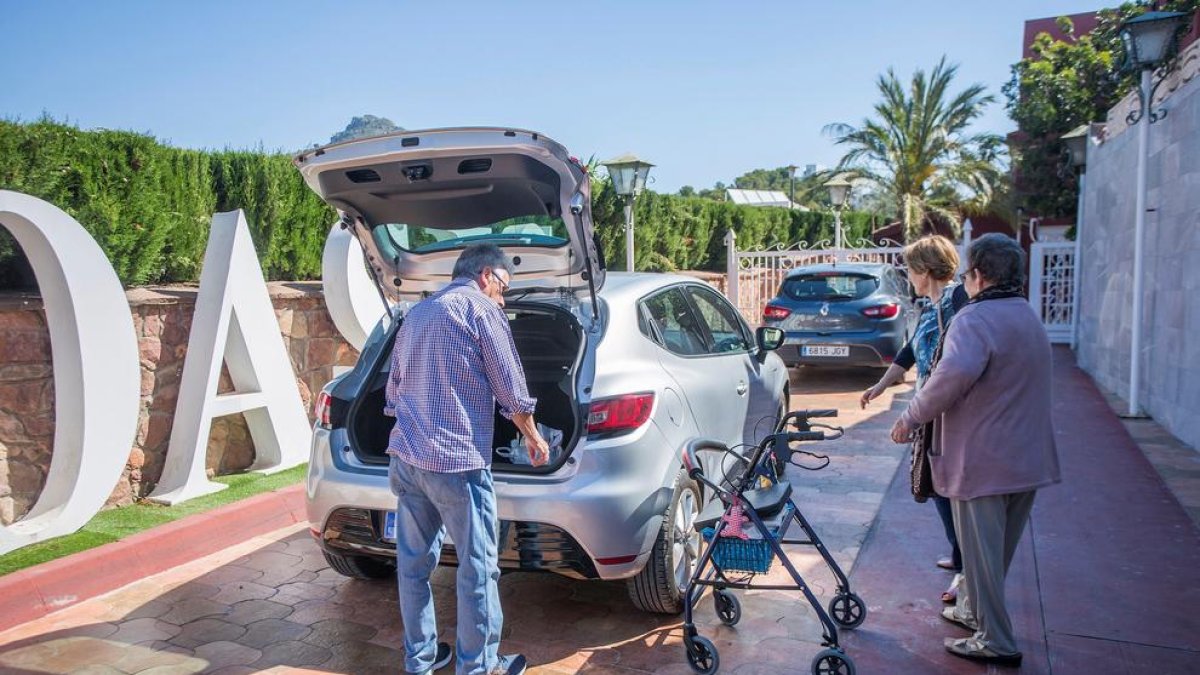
512	664
441	659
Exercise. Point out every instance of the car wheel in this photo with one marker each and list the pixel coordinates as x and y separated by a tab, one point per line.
360	567
661	584
781	467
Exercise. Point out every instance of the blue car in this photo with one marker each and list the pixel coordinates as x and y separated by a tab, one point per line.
846	314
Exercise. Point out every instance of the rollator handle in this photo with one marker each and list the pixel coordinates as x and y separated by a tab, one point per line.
821	412
691	459
805	436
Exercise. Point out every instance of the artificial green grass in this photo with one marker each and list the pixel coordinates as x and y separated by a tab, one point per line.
114	524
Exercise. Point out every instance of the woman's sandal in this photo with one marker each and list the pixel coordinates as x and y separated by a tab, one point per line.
950	595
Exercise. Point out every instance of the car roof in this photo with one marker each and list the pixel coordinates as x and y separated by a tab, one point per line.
629	287
860	268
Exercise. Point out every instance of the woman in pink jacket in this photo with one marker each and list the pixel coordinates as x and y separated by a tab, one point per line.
993	445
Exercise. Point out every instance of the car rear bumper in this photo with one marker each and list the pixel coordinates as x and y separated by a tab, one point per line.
875	349
592	519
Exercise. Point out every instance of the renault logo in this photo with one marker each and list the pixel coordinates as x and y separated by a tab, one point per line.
825	309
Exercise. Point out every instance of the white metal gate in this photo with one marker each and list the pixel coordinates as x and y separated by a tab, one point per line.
1052	287
754	277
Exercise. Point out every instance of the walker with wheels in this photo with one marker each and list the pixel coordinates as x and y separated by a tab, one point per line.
745	528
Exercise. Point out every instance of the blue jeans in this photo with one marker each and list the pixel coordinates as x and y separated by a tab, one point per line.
428	505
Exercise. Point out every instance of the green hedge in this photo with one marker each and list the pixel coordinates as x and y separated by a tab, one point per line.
688	233
149	207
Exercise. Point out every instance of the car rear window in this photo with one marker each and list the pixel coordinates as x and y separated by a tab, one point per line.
538	230
828	286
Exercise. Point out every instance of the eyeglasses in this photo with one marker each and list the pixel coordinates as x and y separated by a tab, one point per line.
504	285
963	276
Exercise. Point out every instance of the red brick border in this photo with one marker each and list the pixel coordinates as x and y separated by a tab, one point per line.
35	592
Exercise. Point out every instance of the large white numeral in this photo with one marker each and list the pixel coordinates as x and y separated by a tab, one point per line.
96	374
350	294
234	318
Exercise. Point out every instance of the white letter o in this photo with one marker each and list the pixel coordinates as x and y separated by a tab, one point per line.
96	373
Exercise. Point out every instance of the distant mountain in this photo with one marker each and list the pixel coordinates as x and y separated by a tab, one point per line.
364	126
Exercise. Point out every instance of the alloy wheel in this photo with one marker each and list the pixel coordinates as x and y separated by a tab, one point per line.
685	540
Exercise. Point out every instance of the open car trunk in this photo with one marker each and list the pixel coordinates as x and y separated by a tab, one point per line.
549	341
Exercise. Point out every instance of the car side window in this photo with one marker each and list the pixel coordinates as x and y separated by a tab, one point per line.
676	323
721	320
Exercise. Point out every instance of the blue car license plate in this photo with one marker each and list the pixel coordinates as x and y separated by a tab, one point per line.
827	351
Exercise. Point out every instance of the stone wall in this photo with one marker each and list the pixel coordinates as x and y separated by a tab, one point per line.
1170	380
162	319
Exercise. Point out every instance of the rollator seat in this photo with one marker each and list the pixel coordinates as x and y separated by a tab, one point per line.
766	502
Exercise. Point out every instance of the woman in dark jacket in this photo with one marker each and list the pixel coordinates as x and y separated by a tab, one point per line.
932	262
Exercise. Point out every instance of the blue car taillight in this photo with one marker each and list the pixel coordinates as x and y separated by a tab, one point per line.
775	312
886	311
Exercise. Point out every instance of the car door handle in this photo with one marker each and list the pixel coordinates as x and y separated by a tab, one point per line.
741	388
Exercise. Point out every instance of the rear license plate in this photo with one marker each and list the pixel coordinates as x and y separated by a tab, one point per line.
825	351
389	527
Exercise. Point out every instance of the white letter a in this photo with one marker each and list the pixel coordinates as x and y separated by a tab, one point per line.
234	319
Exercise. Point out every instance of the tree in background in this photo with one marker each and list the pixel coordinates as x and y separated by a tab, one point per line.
364	126
918	151
1064	84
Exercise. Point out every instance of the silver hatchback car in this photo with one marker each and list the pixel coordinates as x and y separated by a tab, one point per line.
629	367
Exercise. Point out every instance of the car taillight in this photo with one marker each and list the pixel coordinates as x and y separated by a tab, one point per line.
882	311
775	312
622	413
321	409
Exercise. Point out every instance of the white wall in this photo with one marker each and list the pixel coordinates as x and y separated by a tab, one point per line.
1170	380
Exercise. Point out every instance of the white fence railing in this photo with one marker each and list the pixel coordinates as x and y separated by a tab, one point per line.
754	277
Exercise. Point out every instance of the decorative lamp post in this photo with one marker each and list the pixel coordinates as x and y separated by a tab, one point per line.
1076	141
1148	40
792	195
839	192
628	175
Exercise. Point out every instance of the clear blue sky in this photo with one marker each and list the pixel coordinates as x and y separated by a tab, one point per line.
705	90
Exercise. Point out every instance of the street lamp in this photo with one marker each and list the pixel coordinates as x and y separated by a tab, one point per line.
792	195
628	175
1147	39
839	191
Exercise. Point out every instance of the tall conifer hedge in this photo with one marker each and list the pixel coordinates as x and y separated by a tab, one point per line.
149	207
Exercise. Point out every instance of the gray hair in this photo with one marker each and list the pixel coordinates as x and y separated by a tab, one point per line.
476	257
998	259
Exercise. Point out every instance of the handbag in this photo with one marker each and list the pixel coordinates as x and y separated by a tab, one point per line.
921	472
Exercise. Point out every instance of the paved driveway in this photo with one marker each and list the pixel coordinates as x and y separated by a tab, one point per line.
273	604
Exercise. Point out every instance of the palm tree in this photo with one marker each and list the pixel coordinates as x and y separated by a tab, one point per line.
917	150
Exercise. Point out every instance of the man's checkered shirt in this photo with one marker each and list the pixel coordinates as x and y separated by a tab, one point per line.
454	359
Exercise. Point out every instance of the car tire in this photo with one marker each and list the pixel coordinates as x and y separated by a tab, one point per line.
781	467
660	586
359	566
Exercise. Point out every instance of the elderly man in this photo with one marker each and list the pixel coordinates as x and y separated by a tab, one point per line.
454	359
994	445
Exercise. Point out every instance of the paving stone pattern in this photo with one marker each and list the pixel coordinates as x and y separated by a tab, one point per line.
272	604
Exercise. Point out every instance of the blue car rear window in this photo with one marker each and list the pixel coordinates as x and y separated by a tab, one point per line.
829	286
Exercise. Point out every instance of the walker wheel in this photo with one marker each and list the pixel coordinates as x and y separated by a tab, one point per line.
702	655
832	662
729	610
847	610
